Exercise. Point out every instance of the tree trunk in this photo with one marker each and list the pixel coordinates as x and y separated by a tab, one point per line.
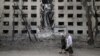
90	31
96	18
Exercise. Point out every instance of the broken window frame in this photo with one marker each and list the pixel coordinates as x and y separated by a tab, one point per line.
24	31
24	7
60	7
60	23
70	15
70	23
6	15
33	7
70	7
61	15
71	31
6	7
33	15
79	7
33	23
5	31
6	23
79	23
15	0
6	0
79	31
33	31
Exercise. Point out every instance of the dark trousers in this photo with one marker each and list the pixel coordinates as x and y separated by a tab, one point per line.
70	50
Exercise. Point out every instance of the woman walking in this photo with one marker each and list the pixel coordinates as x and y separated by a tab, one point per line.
69	43
63	44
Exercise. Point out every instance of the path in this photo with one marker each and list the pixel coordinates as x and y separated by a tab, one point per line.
50	52
47	48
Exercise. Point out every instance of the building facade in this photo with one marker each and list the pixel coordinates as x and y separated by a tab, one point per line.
69	16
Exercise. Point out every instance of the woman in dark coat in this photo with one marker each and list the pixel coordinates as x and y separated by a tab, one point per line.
63	44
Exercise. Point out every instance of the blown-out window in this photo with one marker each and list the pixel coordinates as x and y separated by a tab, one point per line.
6	7
79	7
60	30
70	15
70	31
61	23
79	15
79	23
6	15
15	7
7	0
33	7
60	15
70	7
60	7
16	0
78	0
33	31
24	7
34	23
24	31
33	0
69	0
60	0
25	0
70	23
6	23
79	31
5	31
33	15
15	31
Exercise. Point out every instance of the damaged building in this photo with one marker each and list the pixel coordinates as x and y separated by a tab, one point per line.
59	15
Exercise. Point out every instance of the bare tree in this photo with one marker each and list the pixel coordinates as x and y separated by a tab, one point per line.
91	11
96	18
27	26
13	34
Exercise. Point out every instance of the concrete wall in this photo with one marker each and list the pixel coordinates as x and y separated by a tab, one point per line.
65	19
